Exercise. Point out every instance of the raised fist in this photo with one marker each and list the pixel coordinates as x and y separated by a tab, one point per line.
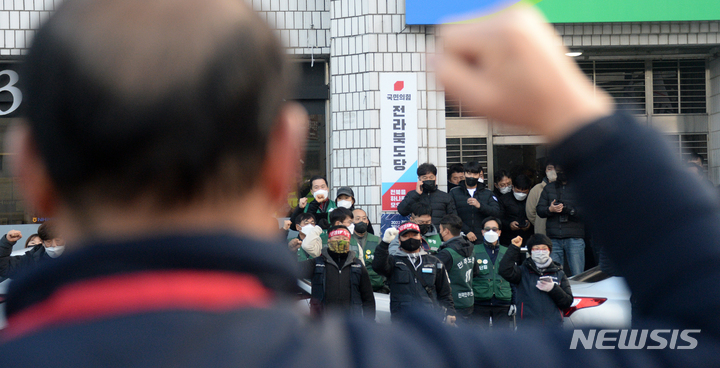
390	235
13	235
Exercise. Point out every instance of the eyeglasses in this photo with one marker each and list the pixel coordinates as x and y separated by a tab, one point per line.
491	229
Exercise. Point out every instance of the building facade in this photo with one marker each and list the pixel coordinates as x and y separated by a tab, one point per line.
667	73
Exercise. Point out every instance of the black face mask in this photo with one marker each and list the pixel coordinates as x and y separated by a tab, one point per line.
361	227
471	182
561	177
428	185
424	228
411	244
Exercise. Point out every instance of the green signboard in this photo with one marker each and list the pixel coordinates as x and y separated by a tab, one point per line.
581	11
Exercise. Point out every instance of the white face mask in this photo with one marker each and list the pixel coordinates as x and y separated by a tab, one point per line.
55	252
491	236
307	228
481	180
351	228
344	203
520	196
321	193
540	256
551	175
506	190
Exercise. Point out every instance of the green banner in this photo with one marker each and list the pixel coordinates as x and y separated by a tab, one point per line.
565	11
581	11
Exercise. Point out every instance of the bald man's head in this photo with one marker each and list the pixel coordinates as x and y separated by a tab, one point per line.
173	98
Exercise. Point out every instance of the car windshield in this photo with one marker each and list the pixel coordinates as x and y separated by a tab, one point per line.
594	274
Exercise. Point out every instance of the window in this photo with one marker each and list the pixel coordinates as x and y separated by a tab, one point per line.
455	109
679	87
623	80
462	150
685	144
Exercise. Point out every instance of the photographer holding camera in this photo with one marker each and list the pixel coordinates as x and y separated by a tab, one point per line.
564	227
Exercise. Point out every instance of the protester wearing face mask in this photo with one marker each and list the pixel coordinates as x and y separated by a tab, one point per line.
514	218
534	197
543	290
345	198
32	241
430	238
457	256
368	243
305	226
564	225
494	296
473	202
318	238
503	183
51	246
456	174
339	280
416	278
321	205
427	192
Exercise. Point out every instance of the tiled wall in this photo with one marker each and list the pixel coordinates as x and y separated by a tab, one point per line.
369	37
714	111
302	25
18	21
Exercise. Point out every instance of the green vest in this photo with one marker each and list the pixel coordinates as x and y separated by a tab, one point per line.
371	243
301	253
488	283
461	279
434	242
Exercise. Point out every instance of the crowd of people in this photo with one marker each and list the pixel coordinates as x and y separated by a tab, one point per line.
491	245
451	253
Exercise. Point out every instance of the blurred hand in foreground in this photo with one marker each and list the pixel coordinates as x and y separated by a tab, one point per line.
513	68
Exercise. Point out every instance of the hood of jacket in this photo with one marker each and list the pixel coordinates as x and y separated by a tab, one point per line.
459	244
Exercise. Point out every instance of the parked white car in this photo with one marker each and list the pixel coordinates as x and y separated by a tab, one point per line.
601	300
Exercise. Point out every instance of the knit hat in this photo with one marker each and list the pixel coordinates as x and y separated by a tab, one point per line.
536	239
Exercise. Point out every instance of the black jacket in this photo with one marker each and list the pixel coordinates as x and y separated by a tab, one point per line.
561	225
12	266
534	305
513	210
440	202
406	290
470	215
338	284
